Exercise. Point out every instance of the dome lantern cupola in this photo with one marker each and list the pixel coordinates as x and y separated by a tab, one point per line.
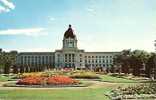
69	40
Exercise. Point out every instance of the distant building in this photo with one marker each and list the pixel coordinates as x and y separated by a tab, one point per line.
69	56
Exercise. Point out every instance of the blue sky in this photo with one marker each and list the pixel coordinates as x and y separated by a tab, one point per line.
100	25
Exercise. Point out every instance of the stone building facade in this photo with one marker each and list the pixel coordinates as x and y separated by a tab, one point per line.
69	56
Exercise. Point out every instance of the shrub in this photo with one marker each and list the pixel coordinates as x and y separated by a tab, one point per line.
85	75
138	89
37	74
141	89
138	92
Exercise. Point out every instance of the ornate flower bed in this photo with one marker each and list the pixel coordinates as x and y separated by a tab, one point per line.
53	80
31	80
61	80
141	92
44	74
33	74
72	74
84	75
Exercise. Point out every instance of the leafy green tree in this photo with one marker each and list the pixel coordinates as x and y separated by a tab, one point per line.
7	59
123	61
132	61
138	61
151	66
1	59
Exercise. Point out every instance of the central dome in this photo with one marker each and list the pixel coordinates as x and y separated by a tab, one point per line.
69	33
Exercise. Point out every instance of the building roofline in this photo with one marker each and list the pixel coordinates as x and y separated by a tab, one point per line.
103	52
35	52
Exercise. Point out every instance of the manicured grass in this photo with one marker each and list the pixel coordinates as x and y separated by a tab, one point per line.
113	79
4	78
96	93
55	94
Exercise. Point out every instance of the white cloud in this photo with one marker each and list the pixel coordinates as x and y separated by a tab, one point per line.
90	9
3	9
7	6
27	32
52	19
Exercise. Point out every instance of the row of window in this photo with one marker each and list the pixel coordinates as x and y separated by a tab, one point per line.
36	59
69	57
98	56
98	65
99	61
36	63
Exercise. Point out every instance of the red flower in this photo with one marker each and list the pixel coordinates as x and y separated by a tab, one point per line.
32	80
54	80
61	80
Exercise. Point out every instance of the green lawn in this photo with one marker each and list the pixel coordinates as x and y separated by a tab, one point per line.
108	78
4	78
56	94
96	93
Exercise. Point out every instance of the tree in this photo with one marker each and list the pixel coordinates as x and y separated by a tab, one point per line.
138	61
1	61
123	61
132	61
7	59
151	66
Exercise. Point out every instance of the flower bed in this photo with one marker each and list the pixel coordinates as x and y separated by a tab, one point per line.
32	80
142	91
36	74
53	80
43	74
85	75
61	80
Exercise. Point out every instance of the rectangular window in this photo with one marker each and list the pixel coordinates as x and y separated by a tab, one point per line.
92	61
85	61
80	59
